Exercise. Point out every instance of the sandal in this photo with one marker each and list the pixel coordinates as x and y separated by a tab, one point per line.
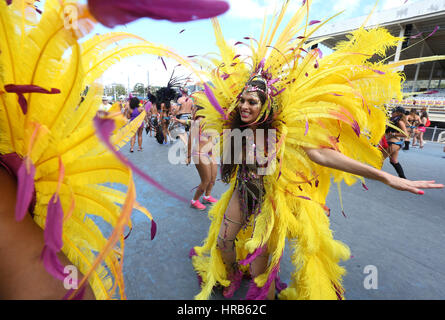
131	150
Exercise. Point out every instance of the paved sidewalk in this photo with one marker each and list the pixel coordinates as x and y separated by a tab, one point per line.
400	234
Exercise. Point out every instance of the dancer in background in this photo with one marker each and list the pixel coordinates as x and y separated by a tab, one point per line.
134	110
421	129
395	138
200	148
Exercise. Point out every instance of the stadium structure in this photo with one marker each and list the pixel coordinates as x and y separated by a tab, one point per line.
422	24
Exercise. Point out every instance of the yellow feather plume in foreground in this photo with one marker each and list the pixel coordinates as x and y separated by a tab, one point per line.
43	71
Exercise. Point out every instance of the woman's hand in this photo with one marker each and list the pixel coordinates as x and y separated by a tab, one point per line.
409	185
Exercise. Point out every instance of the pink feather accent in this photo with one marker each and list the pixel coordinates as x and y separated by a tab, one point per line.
117	12
25	188
54	224
214	101
256	293
153	230
78	296
52	263
28	88
192	253
252	256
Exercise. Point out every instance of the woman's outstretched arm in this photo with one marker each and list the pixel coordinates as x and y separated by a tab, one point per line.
336	160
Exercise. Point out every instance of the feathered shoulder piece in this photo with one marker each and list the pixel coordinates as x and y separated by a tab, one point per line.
56	138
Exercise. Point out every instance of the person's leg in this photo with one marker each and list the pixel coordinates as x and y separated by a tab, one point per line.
395	162
140	131
232	223
213	174
132	142
204	171
407	140
415	135
22	273
164	132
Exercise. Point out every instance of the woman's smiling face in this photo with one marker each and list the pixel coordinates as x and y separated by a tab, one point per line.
249	107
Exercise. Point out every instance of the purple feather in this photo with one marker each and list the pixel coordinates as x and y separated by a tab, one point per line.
314	22
365	187
431	92
307	128
280	286
256	293
261	64
21	89
252	256
117	12
356	128
214	101
104	128
153	230
192	253
52	263
25	189
78	296
225	76
416	36
303	197
163	62
54	224
434	31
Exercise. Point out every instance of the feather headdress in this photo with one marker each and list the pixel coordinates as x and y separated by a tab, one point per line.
50	134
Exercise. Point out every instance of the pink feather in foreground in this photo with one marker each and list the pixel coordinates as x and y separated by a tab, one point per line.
116	12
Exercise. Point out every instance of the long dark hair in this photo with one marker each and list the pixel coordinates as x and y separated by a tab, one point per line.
228	169
134	103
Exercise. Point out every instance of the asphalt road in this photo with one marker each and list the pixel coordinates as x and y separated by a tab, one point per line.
397	236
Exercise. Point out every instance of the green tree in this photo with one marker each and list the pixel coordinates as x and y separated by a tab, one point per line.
120	90
139	89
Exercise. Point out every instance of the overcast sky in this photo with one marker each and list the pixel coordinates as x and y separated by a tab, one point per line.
244	18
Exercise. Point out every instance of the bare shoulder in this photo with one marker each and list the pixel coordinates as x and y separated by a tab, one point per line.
181	100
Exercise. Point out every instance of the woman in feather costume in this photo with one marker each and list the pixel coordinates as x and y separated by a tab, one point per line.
58	157
323	118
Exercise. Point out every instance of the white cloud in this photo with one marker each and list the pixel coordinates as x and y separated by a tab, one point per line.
389	4
348	5
134	70
252	9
